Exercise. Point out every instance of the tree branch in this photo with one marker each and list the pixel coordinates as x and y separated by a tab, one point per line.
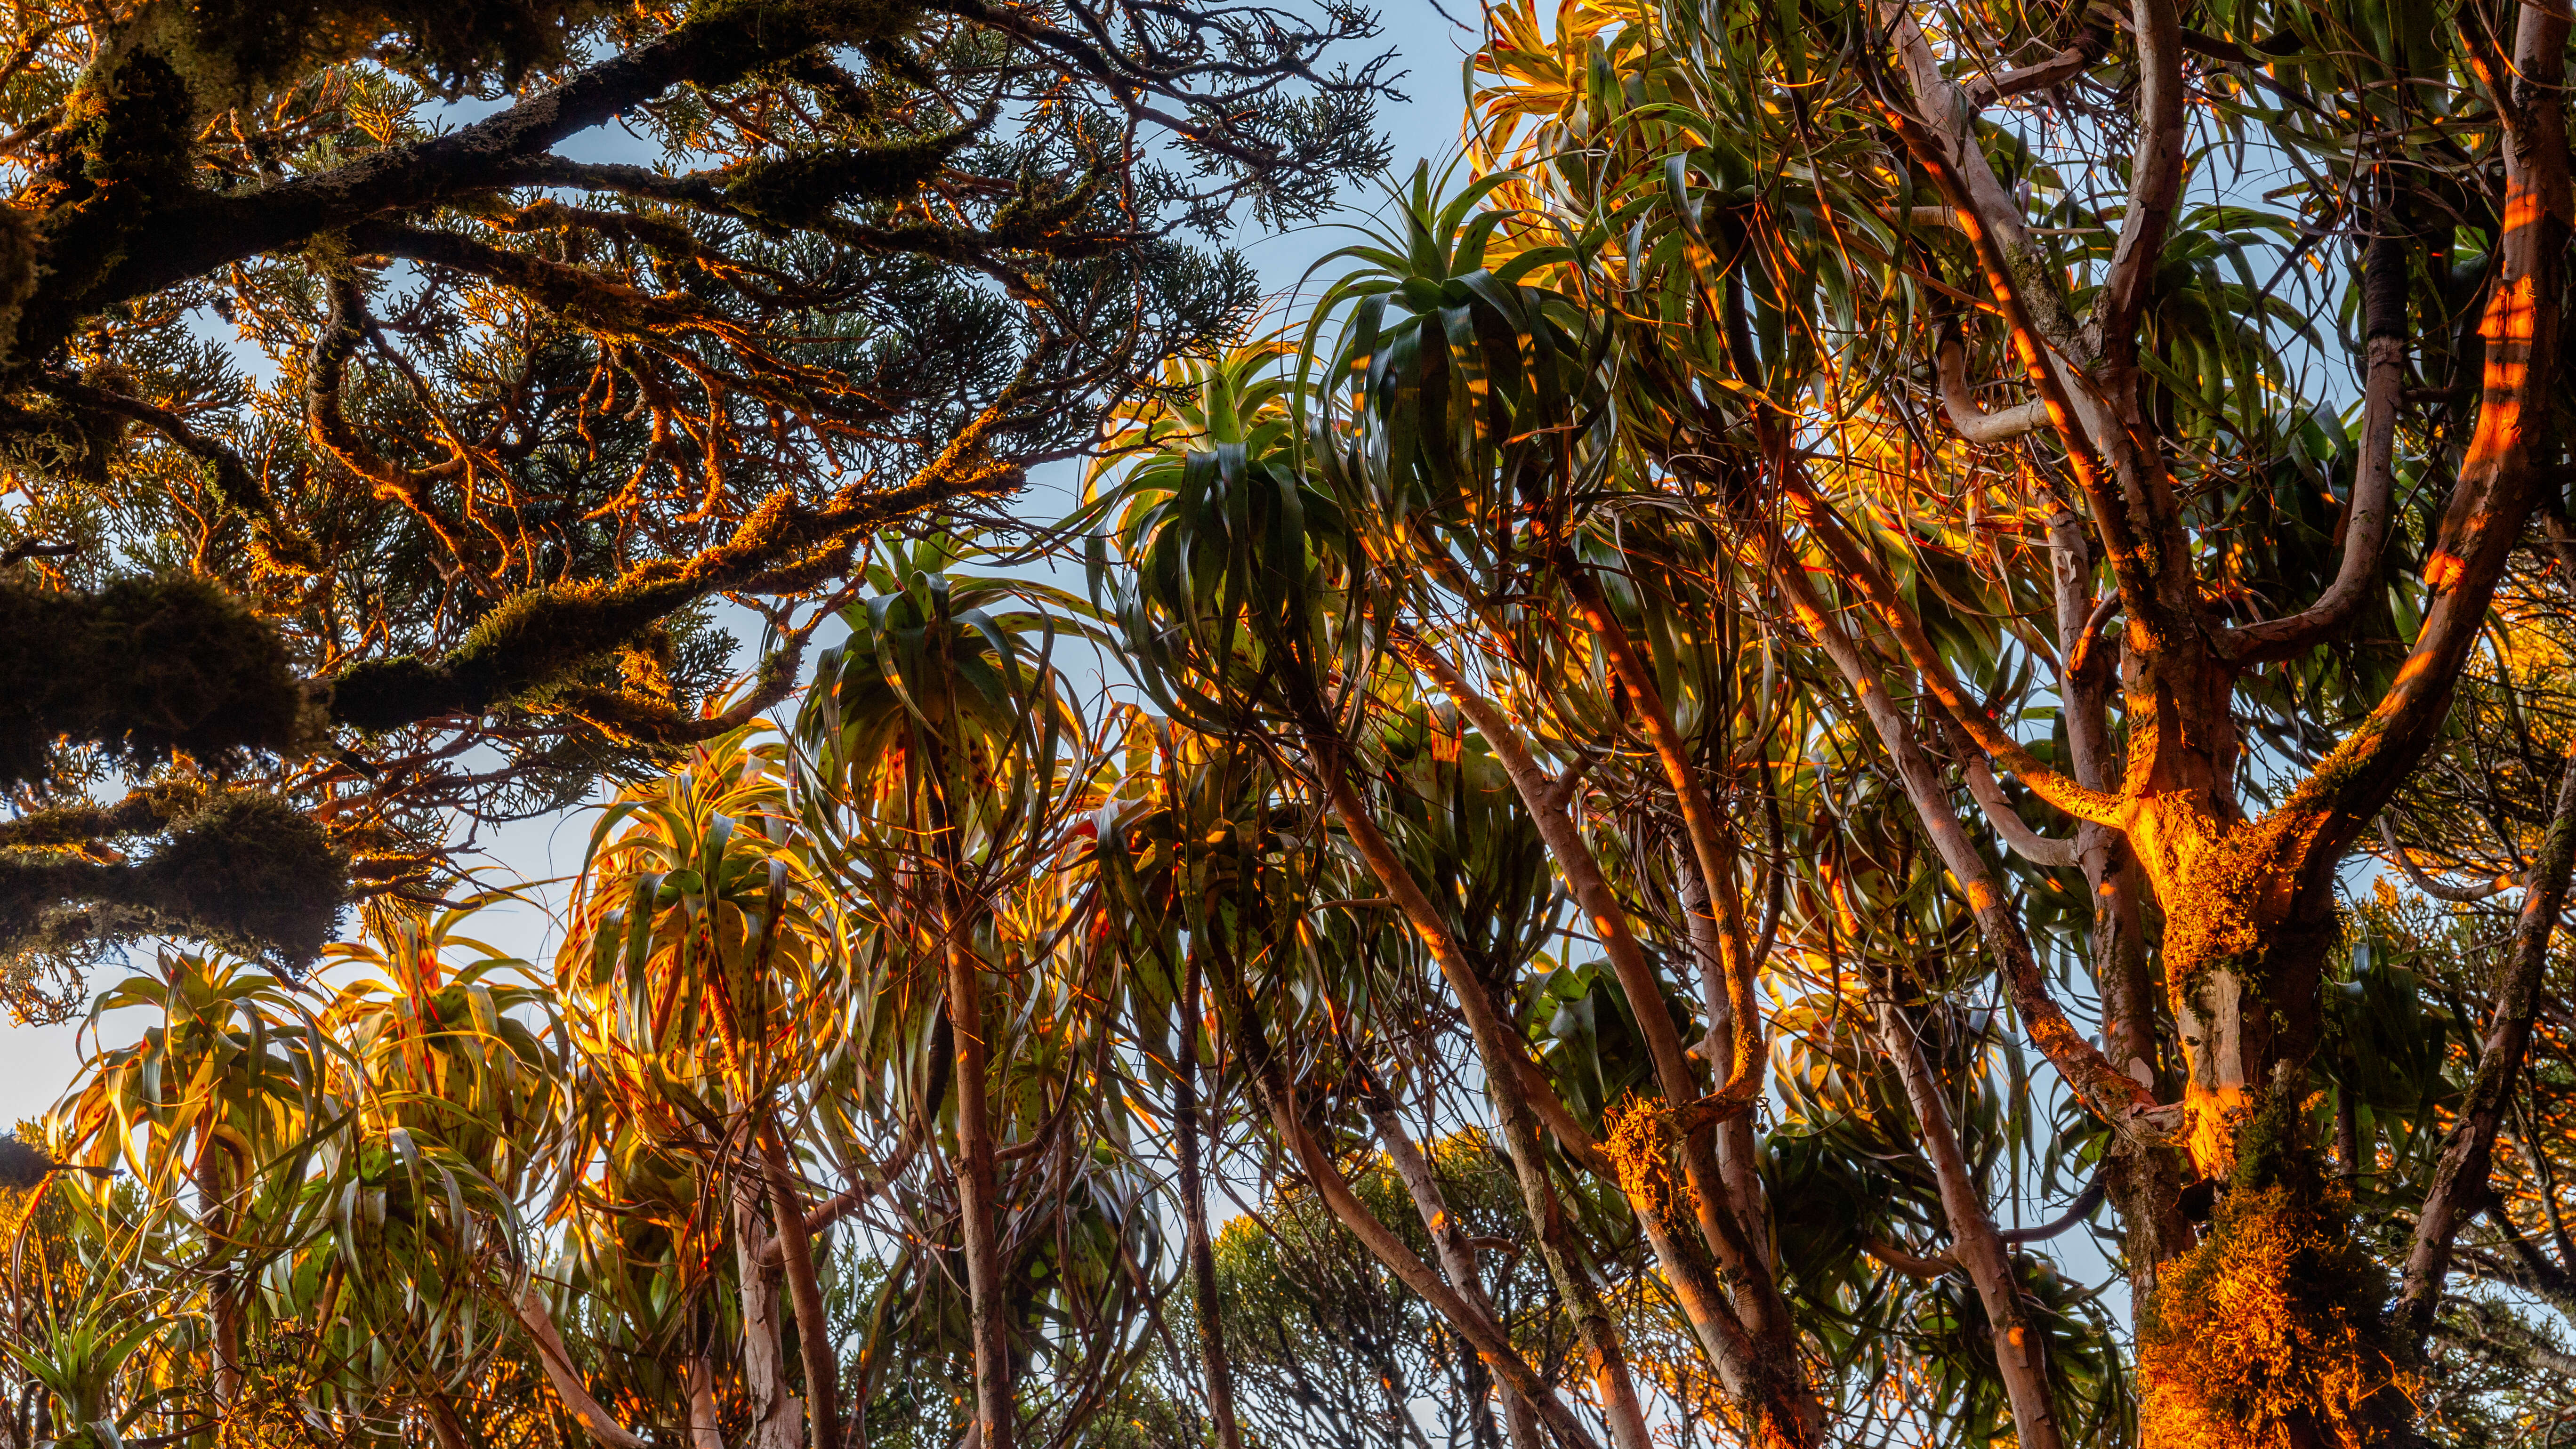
1973	422
1974	1245
722	45
2374	486
2092	42
2113	1096
2499	477
2155	180
2460	1179
602	1428
2028	843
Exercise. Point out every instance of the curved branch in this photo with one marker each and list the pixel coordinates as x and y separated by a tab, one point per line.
2460	1181
2155	178
1973	422
2081	659
2106	1091
1911	1264
2422	881
1864	571
2026	842
2374	487
2500	477
602	1428
2085	1205
2092	42
279	543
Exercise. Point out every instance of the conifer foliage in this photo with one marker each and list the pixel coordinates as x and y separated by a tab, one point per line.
378	445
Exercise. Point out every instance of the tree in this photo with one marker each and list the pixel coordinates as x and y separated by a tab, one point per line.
379	460
1335	577
1810	259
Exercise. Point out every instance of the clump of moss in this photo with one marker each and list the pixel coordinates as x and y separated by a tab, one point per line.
799	190
248	873
240	50
79	827
1639	1148
252	873
2211	924
145	668
2272	1333
22	1164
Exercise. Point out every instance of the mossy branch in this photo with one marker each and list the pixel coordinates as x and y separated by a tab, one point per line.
538	640
147	811
188	233
145	668
248	873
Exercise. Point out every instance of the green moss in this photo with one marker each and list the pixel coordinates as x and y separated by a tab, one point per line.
238	51
248	873
145	668
527	644
799	190
2272	1331
70	827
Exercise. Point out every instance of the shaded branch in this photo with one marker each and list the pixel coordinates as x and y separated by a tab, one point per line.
2460	1178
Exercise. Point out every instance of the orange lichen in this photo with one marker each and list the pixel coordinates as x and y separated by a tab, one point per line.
1638	1142
2270	1334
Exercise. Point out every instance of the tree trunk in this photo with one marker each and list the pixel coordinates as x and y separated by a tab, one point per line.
1582	1299
1751	1342
775	1413
1201	1250
978	1209
704	1431
1973	1240
594	1420
223	1299
822	1357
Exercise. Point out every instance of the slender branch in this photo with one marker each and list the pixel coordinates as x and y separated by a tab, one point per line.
1973	422
2416	875
1889	607
2029	844
529	1306
2460	1179
2085	1205
2107	1092
2155	180
813	1331
2092	42
2374	489
1488	1341
1973	1241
